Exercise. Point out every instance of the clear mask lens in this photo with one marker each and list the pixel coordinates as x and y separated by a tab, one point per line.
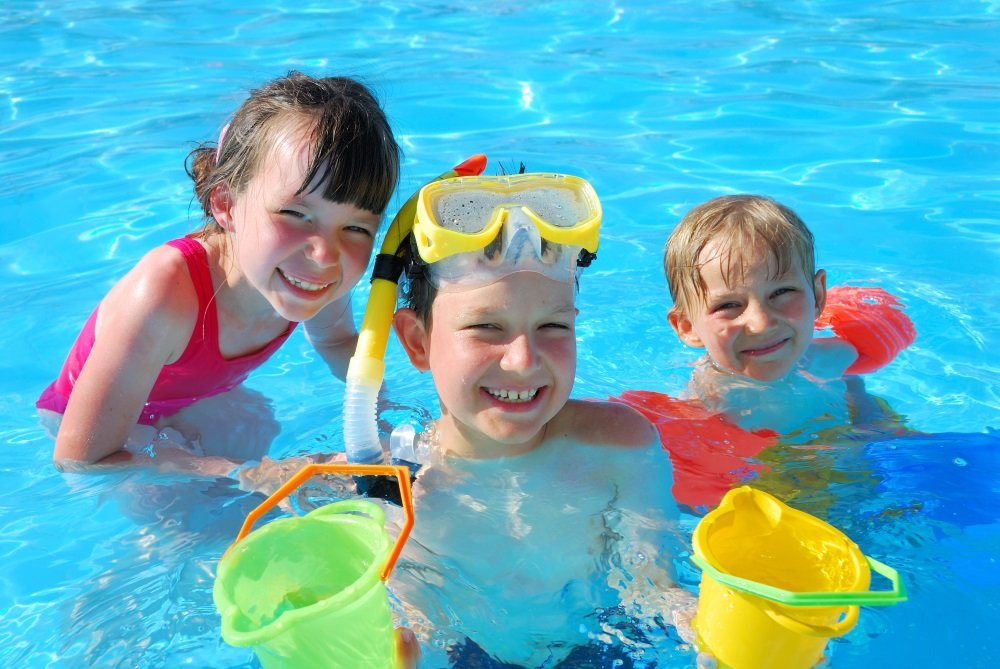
472	231
518	248
471	210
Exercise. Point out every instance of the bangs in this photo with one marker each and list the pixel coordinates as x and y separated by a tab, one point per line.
358	159
739	228
741	245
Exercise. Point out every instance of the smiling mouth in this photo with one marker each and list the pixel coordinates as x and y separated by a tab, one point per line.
304	285
764	350
513	396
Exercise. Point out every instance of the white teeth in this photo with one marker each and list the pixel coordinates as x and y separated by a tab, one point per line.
305	285
513	395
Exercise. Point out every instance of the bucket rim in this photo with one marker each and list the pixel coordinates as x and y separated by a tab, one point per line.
867	597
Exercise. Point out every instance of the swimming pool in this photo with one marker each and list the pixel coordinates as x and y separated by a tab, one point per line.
877	124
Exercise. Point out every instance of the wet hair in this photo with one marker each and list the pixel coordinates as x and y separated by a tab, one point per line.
740	226
352	143
416	292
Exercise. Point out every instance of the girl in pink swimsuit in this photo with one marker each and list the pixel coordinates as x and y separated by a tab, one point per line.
293	195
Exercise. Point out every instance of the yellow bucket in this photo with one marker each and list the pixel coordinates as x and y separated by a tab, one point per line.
778	583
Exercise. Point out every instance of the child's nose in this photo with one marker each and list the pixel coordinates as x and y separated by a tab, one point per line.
322	251
519	355
756	318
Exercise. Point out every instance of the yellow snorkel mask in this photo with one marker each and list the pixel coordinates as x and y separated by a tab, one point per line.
473	231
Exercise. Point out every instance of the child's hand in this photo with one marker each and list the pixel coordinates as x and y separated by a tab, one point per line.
407	648
682	620
269	474
684	606
707	661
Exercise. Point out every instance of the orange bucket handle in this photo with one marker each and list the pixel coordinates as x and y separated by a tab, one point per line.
401	472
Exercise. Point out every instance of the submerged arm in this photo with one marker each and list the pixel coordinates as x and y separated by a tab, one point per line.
869	411
648	541
332	334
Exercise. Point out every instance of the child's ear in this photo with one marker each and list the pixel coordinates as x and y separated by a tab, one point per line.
413	336
683	327
819	289
221	203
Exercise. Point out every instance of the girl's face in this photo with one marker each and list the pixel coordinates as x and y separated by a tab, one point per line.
503	358
299	251
757	325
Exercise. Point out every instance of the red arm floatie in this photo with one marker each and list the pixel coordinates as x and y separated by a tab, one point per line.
869	319
709	454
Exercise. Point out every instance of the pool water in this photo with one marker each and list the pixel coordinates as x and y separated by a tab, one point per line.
875	122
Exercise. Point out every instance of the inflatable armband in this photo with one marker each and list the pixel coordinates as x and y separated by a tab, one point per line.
869	319
708	453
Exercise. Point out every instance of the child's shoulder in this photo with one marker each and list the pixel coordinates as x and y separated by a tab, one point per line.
829	357
159	283
601	423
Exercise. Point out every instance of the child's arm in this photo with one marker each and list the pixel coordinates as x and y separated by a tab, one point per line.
332	334
648	540
830	357
144	322
871	412
869	319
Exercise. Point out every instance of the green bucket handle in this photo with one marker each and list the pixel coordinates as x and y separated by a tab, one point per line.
867	598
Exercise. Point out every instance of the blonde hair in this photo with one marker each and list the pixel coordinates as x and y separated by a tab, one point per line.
740	225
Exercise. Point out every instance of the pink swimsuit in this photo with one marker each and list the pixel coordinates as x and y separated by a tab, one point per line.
200	372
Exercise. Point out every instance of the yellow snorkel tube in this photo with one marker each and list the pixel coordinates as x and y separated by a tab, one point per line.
367	366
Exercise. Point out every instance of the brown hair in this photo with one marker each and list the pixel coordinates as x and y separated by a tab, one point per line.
740	225
352	142
417	291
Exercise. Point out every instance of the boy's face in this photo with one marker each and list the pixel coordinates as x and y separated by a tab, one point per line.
503	358
756	325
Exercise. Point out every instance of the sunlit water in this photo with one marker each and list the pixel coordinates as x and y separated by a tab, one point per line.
877	124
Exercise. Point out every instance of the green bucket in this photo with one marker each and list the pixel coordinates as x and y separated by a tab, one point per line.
309	592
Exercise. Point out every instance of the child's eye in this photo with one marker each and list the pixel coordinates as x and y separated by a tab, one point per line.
555	326
726	306
357	229
296	216
783	291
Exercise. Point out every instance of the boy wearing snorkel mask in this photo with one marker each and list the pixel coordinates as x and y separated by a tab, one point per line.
496	325
550	508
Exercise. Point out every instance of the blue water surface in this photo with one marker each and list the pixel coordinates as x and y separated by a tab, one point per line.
876	122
